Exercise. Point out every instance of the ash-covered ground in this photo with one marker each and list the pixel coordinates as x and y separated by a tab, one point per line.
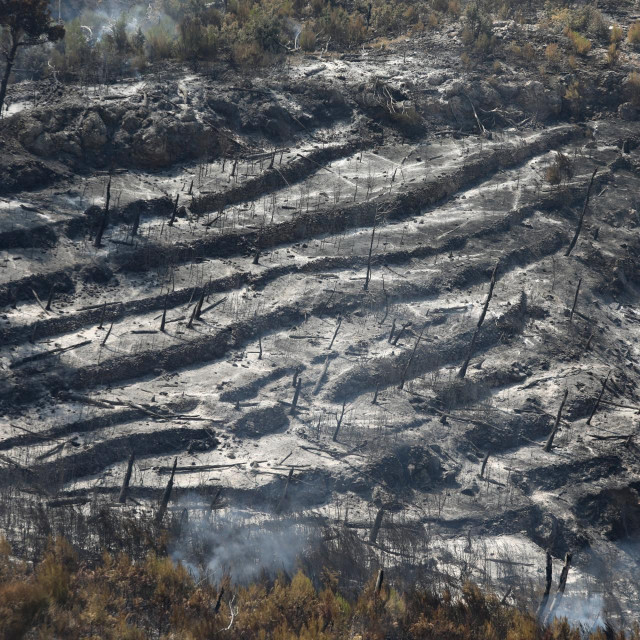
288	281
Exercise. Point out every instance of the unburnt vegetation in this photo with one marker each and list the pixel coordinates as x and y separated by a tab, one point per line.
157	598
316	315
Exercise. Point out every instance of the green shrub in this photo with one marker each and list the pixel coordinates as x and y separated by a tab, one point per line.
265	29
478	27
307	40
318	7
597	26
343	29
118	35
138	41
77	51
453	7
160	41
195	40
246	54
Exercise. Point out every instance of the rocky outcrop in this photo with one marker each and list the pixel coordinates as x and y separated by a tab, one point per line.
627	111
126	132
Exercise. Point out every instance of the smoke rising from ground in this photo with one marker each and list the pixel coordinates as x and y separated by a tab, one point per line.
583	611
243	547
100	21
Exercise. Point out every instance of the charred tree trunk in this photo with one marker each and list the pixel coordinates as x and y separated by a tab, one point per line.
335	334
136	225
404	327
413	353
199	305
50	299
463	370
379	581
484	464
192	317
581	219
393	328
339	422
296	395
368	276
547	588
575	301
11	58
283	499
561	587
216	609
373	536
597	404
174	212
122	498
163	322
556	426
108	334
166	496
104	311
105	216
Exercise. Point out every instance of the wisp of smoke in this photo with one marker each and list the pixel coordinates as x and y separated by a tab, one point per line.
99	22
243	548
582	611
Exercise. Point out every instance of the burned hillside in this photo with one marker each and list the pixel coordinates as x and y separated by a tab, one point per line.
386	289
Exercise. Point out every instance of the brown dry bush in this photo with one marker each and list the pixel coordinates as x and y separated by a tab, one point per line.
561	169
117	598
613	55
633	36
552	53
307	39
580	44
617	34
633	88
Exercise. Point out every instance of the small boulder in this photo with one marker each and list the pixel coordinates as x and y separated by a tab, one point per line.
131	123
628	112
93	132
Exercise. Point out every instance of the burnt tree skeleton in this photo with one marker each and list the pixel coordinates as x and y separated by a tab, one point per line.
549	444
463	369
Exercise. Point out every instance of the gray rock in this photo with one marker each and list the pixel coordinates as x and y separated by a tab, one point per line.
131	123
471	490
31	129
628	112
43	145
437	78
93	132
535	98
188	115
